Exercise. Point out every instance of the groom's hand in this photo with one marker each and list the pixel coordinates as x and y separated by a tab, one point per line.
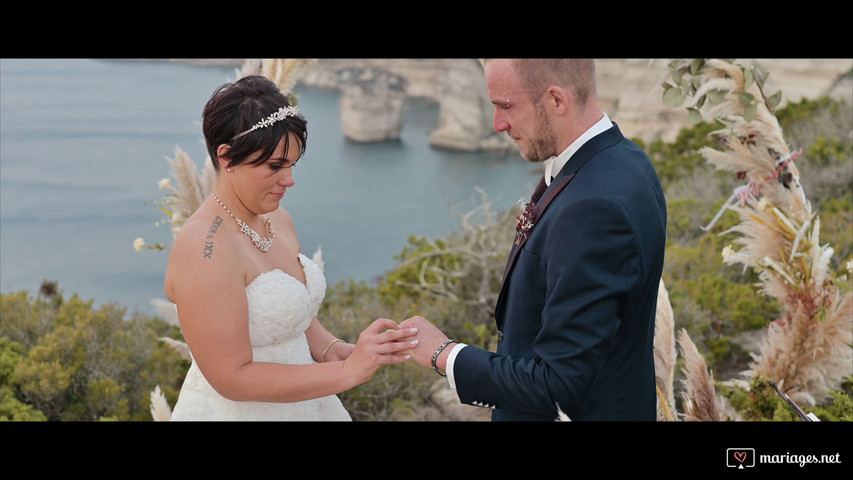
429	339
383	342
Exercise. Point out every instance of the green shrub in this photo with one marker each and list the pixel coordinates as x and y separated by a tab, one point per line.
71	362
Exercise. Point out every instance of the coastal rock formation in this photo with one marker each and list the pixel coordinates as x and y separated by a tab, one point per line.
373	104
465	111
629	90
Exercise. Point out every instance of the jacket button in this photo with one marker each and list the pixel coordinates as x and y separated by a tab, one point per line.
500	335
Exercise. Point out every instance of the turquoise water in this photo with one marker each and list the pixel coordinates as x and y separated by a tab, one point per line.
84	142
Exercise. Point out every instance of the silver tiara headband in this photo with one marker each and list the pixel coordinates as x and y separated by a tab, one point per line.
279	114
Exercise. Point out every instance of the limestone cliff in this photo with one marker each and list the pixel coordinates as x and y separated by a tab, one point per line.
629	90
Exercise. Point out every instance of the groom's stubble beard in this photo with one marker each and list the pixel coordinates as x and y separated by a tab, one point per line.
544	145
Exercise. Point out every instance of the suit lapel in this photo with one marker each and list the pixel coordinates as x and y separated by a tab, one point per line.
578	160
549	195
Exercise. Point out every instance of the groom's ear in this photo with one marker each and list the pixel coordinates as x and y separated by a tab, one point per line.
558	99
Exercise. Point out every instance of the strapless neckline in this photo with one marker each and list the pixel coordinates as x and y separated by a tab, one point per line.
287	275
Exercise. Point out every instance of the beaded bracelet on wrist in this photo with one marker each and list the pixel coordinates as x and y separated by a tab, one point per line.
438	352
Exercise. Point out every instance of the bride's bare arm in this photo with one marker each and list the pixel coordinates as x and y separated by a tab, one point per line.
213	313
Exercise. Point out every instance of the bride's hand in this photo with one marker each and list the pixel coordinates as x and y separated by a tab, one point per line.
382	342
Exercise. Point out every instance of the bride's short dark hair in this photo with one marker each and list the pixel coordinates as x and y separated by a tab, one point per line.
234	108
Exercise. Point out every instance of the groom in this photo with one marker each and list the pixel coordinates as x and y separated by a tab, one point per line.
576	310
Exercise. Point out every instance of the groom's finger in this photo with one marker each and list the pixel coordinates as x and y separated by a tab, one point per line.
382	323
401	335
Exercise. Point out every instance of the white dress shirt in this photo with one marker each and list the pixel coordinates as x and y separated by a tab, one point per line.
552	167
554	164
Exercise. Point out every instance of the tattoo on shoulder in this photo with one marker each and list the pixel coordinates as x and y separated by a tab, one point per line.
208	242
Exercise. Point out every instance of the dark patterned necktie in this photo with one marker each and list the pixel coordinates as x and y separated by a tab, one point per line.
540	189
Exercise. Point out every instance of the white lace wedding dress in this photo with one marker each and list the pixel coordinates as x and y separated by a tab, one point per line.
280	309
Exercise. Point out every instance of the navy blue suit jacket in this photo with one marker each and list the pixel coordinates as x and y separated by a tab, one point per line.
576	311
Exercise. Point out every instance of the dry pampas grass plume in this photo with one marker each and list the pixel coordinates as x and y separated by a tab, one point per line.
189	191
166	310
807	351
169	313
284	71
699	399
160	411
665	355
251	66
179	346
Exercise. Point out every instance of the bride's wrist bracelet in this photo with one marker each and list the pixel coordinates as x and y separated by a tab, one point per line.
438	352
330	346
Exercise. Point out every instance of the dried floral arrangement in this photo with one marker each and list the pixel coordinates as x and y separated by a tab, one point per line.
808	351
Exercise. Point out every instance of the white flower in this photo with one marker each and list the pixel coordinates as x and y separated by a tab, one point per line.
164	183
727	253
177	218
138	244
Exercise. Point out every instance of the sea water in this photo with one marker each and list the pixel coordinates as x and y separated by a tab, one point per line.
84	142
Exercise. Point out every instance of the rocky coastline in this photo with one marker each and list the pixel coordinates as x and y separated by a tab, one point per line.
375	93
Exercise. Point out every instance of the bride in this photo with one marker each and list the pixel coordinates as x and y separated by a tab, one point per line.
246	296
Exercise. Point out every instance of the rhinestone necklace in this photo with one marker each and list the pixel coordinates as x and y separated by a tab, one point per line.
263	244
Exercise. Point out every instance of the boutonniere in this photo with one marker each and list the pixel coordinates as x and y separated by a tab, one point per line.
525	220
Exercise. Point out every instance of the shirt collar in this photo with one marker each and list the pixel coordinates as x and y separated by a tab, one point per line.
554	164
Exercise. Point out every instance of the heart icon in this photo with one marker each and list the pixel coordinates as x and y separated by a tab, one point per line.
740	456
